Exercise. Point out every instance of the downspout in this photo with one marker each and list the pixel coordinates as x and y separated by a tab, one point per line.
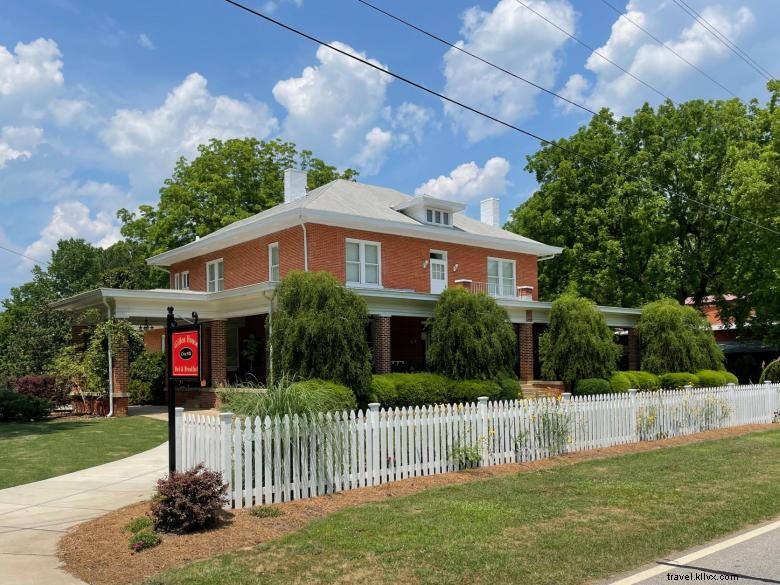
305	244
110	367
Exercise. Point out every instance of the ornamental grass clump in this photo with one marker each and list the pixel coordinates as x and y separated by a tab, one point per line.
771	373
187	501
142	535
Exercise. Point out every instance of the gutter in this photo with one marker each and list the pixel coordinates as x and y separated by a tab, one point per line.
110	367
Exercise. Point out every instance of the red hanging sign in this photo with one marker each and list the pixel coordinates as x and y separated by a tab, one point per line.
185	352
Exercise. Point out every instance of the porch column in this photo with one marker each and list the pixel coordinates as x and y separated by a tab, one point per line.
526	349
218	350
382	344
120	367
634	358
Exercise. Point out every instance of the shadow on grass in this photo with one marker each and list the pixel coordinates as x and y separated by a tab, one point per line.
16	429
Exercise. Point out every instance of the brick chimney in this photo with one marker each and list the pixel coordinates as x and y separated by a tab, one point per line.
489	212
295	184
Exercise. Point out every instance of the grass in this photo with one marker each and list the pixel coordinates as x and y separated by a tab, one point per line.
37	450
565	525
265	512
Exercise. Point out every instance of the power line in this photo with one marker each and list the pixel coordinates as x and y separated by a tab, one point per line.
473	55
668	48
478	112
724	40
12	251
593	50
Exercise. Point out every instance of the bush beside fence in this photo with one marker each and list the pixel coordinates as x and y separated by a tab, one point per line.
274	460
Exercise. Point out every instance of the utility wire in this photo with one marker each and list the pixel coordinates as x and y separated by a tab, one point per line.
667	47
724	40
446	98
12	251
593	50
474	56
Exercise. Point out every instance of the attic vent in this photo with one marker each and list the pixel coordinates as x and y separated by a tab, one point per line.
295	184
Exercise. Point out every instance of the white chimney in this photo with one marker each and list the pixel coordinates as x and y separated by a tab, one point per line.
295	183
488	211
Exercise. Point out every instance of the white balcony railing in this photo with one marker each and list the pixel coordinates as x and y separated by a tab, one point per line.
499	291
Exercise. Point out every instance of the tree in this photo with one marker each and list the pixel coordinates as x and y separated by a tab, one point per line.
228	180
676	338
645	205
318	330
577	344
470	337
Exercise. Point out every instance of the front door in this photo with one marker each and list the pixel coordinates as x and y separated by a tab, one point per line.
438	271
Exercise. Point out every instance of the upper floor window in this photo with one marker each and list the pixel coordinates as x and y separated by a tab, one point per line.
437	216
501	277
177	281
215	276
363	263
185	280
273	262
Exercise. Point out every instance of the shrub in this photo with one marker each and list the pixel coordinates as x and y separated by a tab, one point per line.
620	382
265	512
470	337
147	378
676	338
771	372
677	380
590	386
187	501
68	370
510	389
645	381
23	406
138	524
325	396
716	378
144	539
319	331
96	355
471	390
383	390
577	344
418	389
45	387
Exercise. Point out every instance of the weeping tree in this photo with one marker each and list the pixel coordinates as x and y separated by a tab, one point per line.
318	330
676	338
470	337
577	344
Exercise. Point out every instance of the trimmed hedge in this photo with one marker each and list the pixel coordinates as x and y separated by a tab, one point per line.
645	381
716	378
590	386
677	380
620	382
771	372
329	396
418	389
23	406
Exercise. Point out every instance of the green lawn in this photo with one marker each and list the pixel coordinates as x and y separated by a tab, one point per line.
34	451
565	525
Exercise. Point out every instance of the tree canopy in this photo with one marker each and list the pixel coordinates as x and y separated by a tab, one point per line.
620	196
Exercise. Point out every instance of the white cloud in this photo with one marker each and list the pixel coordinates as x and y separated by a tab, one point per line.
31	68
409	121
74	220
334	106
148	142
644	58
271	6
8	154
18	142
374	151
514	38
468	181
145	42
67	112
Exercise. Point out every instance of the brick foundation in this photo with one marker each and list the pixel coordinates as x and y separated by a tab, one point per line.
218	351
526	350
634	357
382	344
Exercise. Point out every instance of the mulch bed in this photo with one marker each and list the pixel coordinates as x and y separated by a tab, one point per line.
97	551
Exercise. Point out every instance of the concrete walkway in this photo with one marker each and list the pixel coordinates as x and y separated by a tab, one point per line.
34	516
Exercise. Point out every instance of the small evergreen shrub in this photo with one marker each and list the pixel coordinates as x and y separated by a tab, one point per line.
187	501
510	389
23	406
644	381
590	386
147	378
470	390
45	387
265	512
144	539
325	395
771	372
709	378
620	382
383	390
138	524
418	389
677	380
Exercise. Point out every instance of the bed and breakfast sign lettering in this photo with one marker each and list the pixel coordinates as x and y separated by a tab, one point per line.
185	353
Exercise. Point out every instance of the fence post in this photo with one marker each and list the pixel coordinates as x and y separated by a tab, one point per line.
632	417
373	425
565	396
730	387
482	430
226	445
179	428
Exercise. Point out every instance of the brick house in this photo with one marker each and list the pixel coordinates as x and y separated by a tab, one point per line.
396	251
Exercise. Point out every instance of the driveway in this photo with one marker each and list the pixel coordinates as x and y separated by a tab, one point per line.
34	516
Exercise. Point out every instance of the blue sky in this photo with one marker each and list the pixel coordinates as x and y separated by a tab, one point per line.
98	99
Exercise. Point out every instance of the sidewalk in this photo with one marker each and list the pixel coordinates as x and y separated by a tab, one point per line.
34	516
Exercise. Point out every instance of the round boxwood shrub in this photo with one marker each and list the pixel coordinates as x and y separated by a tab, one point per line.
771	372
590	386
709	378
187	501
510	389
677	380
620	382
418	389
325	396
645	381
471	390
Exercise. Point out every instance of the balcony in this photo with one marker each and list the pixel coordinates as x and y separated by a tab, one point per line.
498	291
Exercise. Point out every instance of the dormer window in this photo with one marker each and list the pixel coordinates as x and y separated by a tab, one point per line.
437	216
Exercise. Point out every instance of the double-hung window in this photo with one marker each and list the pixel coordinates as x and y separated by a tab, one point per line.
177	281
363	263
215	276
185	280
501	277
273	262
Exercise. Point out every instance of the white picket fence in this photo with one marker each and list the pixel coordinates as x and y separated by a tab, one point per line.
282	459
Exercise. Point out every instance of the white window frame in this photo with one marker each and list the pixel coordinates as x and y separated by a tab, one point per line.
441	212
499	287
362	261
271	247
216	281
177	281
185	275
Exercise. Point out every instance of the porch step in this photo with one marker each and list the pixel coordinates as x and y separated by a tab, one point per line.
542	388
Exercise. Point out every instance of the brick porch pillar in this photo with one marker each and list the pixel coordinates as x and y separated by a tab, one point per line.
634	357
526	349
382	344
120	368
218	349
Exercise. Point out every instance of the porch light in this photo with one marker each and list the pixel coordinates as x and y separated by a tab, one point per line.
455	268
425	263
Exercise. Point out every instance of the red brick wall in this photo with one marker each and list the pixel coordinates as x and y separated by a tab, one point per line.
153	340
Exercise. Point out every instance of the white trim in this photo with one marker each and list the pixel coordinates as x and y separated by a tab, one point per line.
217	280
271	247
500	277
362	263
